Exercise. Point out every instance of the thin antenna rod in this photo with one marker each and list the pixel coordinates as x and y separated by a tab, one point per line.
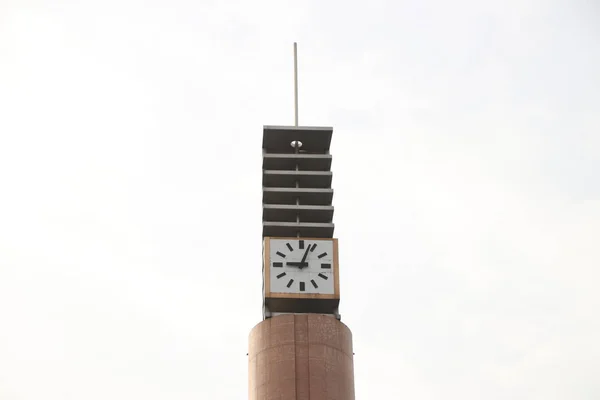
295	84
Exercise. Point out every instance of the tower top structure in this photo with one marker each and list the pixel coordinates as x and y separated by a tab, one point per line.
297	204
297	193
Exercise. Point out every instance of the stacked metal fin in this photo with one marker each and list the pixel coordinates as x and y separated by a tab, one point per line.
297	193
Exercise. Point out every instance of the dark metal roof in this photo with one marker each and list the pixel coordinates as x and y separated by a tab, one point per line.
315	139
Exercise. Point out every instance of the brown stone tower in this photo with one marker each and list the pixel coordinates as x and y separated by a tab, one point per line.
301	350
301	357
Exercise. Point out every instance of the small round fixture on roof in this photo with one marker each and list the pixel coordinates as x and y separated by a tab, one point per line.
296	143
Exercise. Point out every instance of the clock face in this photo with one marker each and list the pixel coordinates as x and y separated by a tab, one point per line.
301	266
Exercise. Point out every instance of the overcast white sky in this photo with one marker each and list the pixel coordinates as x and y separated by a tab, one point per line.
467	191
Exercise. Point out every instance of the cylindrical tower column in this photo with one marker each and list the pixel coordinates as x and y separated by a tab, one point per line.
300	357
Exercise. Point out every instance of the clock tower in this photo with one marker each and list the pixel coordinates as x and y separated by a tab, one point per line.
301	350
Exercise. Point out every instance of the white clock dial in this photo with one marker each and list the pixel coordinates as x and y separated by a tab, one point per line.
301	266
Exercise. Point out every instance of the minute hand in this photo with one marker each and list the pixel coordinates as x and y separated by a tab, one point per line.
304	257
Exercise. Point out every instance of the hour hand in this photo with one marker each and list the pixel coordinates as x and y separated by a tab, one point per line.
296	264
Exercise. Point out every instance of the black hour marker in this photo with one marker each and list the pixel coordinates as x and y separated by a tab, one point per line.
289	246
301	244
324	276
302	286
314	283
279	265
281	275
322	255
326	266
314	246
290	283
280	254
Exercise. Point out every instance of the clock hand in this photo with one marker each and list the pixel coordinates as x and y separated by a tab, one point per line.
300	264
293	264
304	258
297	264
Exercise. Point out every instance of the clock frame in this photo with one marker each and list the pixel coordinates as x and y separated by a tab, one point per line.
300	302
